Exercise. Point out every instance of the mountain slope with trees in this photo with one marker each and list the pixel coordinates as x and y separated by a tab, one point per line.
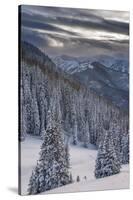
82	111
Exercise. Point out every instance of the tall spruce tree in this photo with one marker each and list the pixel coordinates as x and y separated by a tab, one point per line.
115	129
33	186
125	149
52	165
74	123
86	135
67	156
107	162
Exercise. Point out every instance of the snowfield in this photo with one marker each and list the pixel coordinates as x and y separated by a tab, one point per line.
82	164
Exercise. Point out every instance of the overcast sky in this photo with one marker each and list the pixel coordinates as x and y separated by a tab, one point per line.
77	32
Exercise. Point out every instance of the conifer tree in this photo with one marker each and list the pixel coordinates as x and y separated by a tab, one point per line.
75	133
36	116
107	162
43	132
116	134
86	135
52	166
74	123
33	186
67	156
125	149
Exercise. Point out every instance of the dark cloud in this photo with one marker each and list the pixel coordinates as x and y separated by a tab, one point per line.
89	21
67	29
44	27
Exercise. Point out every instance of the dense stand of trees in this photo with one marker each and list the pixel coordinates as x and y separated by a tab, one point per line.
81	111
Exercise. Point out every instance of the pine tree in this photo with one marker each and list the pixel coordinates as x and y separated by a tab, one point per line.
75	133
36	116
86	135
23	124
33	186
74	123
125	149
107	162
43	132
115	129
67	156
52	166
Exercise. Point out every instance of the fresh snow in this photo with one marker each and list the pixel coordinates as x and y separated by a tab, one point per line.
82	164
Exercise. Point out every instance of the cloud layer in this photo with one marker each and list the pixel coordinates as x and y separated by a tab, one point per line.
78	32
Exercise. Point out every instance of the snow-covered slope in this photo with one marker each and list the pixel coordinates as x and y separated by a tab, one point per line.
82	164
119	181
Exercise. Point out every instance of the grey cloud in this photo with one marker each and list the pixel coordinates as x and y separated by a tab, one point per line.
50	20
44	26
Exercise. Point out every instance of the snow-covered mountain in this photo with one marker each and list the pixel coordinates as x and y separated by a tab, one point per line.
121	65
78	64
107	76
70	64
114	63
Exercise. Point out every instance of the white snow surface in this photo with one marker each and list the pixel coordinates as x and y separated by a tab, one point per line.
82	164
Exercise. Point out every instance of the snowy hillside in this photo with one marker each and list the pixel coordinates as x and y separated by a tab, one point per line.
119	181
82	164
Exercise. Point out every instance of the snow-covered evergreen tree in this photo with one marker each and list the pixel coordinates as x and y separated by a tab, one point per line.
125	149
43	132
75	133
33	186
107	162
116	134
67	155
52	165
35	111
74	122
86	135
23	124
